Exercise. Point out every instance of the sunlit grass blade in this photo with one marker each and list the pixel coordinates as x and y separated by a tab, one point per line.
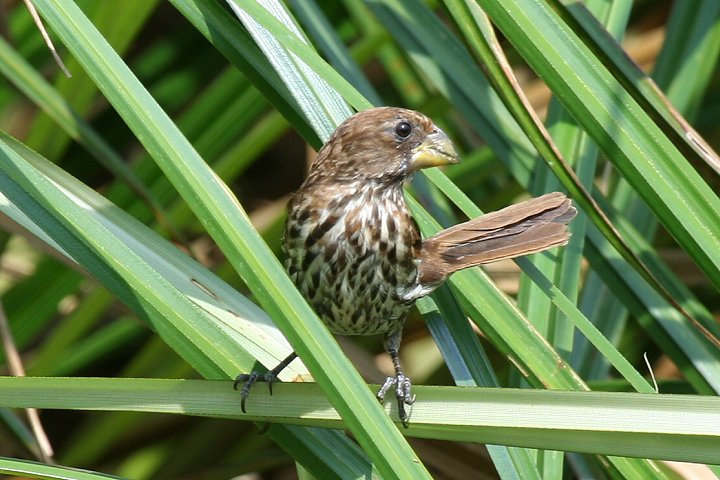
323	107
392	58
26	468
309	56
699	17
58	208
228	36
25	78
645	156
630	424
319	28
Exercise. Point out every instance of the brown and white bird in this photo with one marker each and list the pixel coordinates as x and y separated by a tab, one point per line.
356	254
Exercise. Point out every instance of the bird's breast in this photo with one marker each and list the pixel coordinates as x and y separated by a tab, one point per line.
353	256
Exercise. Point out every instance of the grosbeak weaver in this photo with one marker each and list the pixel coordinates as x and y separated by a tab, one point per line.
356	254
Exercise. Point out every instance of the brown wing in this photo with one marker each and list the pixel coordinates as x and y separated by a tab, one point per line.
527	227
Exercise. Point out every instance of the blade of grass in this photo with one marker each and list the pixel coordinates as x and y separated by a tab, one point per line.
15	467
318	26
646	157
323	107
643	89
501	75
222	30
677	427
43	186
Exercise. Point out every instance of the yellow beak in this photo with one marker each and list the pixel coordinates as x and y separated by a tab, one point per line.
436	150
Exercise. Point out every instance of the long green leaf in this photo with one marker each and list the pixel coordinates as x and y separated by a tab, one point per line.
14	467
681	199
680	427
642	88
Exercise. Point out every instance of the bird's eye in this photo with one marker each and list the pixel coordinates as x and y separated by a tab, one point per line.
403	129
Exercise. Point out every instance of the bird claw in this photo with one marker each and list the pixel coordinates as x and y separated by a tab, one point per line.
248	380
403	394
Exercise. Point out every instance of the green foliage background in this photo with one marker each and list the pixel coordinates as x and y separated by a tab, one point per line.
113	179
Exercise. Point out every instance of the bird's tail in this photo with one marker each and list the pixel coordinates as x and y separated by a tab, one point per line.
527	227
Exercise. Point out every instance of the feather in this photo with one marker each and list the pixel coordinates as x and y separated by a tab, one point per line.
521	229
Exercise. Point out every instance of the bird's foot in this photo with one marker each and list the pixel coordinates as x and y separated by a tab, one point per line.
403	394
248	380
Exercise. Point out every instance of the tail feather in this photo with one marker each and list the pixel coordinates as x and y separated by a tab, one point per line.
522	229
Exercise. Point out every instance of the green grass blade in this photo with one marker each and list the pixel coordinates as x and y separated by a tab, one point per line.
318	26
28	469
680	427
323	106
680	198
220	28
640	86
120	252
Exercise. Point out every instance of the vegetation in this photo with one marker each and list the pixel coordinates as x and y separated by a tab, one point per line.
135	285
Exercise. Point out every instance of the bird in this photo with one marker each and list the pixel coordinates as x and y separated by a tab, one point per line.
355	252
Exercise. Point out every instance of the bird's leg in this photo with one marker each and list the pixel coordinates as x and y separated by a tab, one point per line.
249	379
400	381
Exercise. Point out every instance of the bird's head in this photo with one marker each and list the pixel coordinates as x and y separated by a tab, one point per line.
385	144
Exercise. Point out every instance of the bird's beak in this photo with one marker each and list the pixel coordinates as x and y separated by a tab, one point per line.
434	151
